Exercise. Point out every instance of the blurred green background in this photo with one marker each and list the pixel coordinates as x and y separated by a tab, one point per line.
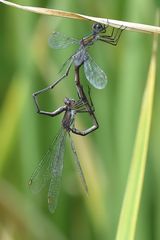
27	64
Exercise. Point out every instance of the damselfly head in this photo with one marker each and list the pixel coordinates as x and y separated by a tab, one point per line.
98	27
69	102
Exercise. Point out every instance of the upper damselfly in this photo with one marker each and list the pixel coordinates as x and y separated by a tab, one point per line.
94	74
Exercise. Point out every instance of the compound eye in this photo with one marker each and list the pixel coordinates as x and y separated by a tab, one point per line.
66	100
97	27
72	100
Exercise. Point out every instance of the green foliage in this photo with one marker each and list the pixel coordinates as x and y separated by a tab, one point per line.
28	64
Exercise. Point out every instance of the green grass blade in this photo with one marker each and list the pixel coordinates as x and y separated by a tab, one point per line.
10	115
132	197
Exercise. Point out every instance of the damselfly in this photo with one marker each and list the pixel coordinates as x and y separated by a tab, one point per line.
50	168
94	74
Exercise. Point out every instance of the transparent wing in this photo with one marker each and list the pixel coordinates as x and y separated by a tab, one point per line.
43	172
59	40
66	65
56	174
94	73
78	165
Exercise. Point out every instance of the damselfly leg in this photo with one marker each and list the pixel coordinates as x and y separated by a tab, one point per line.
50	87
114	37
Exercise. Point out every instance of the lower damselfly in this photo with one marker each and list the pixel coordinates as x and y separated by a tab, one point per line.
49	170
